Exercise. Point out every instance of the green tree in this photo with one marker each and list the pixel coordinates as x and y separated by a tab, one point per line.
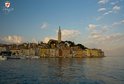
81	46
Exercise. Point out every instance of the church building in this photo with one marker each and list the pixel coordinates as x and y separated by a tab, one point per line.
59	35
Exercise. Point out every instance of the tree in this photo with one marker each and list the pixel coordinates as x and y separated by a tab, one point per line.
50	42
81	46
70	43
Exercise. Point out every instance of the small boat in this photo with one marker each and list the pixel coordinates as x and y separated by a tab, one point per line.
35	57
3	57
13	57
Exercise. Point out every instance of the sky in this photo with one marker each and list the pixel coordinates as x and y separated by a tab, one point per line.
93	23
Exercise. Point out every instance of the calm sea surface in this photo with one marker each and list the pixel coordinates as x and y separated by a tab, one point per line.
107	70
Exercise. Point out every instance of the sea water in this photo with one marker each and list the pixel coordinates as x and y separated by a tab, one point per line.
107	70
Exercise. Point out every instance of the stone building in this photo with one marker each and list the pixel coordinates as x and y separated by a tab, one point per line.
59	35
2	48
94	53
16	52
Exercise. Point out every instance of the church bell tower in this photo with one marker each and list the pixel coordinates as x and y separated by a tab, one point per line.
59	35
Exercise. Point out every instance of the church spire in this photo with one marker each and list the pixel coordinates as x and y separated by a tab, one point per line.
59	35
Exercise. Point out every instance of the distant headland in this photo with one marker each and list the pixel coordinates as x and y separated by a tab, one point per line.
54	48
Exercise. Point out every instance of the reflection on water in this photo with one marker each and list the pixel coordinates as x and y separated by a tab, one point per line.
108	70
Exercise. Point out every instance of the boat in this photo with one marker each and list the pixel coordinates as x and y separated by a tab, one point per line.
3	57
35	57
13	57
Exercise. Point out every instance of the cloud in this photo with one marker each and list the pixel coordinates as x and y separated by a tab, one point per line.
105	28
46	39
108	12
114	37
114	3
92	26
103	36
116	8
44	25
117	23
11	39
70	34
95	35
34	40
66	35
107	38
94	29
101	9
100	37
98	28
102	1
106	42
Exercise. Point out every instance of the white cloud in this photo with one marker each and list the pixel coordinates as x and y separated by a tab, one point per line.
106	42
44	25
104	11
95	35
104	29
108	12
98	28
46	39
34	40
101	9
103	1
101	37
66	35
92	26
117	23
110	38
114	3
11	39
99	33
116	8
70	34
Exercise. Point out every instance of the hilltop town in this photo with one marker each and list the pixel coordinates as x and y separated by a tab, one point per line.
54	48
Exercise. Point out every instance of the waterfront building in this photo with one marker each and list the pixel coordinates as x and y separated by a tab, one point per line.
16	52
94	53
2	48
